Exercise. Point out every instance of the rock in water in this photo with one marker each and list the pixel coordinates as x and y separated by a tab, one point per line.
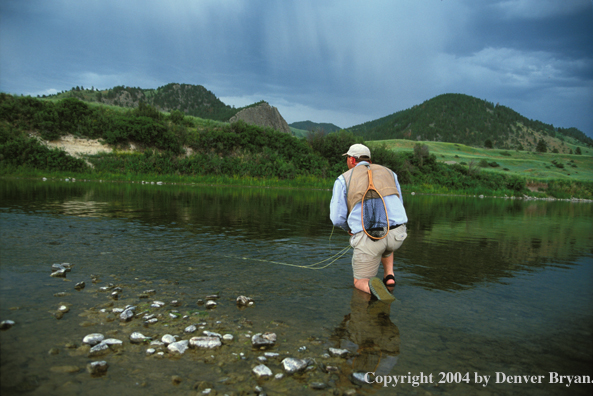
339	352
168	339
178	347
293	365
98	350
93	339
205	342
262	371
97	368
137	338
190	329
263	340
6	324
243	301
126	315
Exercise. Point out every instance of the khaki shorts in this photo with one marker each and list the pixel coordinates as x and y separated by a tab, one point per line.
367	253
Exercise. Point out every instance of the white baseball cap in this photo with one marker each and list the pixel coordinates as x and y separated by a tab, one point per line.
358	150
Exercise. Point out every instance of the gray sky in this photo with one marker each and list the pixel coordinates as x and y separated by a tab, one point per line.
344	62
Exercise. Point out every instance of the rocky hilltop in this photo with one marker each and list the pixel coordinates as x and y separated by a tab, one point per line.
263	115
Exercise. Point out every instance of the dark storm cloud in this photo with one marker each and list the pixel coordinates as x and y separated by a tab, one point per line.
344	62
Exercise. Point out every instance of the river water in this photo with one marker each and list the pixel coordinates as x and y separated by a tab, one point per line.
487	289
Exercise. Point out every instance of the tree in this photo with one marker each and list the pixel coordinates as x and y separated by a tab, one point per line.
488	143
541	146
578	151
420	152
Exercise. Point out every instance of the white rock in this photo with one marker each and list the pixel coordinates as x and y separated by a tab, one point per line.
211	334
262	371
99	349
117	310
190	329
151	321
93	339
293	365
227	337
205	342
168	339
150	351
112	342
178	347
263	340
59	273
64	308
137	338
243	300
157	343
339	352
210	304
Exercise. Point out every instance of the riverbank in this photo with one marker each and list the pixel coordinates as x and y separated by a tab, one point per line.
304	183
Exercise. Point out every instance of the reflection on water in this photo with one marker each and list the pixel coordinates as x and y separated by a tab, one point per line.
484	286
369	333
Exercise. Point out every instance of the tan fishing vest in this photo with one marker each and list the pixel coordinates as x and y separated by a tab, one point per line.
357	182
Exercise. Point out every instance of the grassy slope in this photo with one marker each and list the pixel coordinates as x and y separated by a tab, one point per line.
522	163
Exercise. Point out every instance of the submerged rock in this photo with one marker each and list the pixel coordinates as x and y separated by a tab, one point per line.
97	368
79	286
6	324
244	301
339	352
358	378
210	304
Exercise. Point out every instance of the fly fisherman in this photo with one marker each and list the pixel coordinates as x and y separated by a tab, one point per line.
364	216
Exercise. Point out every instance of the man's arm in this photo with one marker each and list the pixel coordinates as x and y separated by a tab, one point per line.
401	196
338	209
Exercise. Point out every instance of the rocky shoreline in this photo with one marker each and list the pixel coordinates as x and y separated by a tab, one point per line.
130	325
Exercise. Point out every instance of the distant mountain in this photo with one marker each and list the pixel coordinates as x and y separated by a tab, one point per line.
314	126
194	100
459	118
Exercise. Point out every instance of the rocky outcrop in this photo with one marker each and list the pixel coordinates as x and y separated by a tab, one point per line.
263	115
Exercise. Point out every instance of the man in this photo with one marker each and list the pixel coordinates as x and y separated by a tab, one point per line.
346	212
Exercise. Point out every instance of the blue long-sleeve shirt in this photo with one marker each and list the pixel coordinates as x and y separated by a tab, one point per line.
338	208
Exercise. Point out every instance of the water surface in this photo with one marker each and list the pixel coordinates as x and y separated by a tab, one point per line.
483	286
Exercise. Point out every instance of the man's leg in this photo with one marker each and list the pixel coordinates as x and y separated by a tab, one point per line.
388	268
362	284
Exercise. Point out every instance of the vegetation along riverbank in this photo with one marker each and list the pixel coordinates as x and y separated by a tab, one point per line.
143	143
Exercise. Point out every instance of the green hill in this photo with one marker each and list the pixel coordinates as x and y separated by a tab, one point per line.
458	118
311	126
193	100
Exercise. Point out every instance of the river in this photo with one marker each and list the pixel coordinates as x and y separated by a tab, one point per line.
495	290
